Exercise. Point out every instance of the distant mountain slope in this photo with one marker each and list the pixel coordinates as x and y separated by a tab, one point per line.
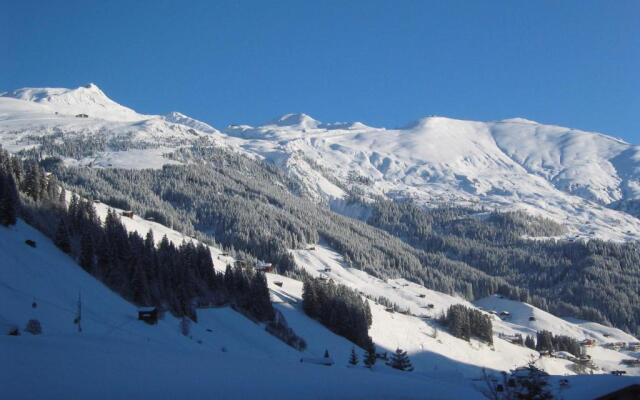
588	181
568	175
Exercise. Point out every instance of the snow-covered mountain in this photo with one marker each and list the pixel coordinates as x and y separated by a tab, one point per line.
87	99
587	181
567	175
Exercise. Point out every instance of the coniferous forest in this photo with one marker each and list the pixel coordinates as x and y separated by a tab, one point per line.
339	308
252	209
176	278
464	322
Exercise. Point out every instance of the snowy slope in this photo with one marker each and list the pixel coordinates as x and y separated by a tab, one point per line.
117	356
522	312
580	179
443	352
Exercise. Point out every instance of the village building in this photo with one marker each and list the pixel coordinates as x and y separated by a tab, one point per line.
148	315
128	214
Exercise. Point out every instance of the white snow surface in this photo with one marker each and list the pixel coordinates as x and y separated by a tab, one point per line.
573	177
117	356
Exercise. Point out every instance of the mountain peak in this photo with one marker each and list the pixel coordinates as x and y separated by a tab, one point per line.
88	99
181	119
296	120
520	121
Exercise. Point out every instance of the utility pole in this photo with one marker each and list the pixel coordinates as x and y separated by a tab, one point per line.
78	320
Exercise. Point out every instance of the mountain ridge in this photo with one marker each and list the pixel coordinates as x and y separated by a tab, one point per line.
571	176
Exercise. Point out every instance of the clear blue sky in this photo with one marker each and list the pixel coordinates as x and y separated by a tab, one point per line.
386	63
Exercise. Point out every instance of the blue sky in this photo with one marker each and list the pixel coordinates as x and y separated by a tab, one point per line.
386	63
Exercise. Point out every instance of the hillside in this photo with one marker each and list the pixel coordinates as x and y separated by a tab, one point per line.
224	348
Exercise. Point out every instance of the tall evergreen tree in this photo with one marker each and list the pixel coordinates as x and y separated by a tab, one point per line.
353	358
530	342
400	360
370	356
261	299
8	199
86	252
34	182
61	237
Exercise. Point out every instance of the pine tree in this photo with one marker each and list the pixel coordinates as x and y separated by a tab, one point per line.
353	359
370	356
530	342
544	341
530	383
261	307
8	200
61	238
86	252
185	326
400	360
34	183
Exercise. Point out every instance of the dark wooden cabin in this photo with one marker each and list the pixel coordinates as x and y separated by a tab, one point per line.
128	214
148	315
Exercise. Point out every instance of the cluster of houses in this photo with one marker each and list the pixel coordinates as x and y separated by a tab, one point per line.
617	346
515	339
583	359
631	362
503	315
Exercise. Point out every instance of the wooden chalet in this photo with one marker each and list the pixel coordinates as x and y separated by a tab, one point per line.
240	263
128	214
148	315
633	346
505	315
264	267
82	116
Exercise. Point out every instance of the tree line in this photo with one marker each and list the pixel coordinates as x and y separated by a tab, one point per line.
339	308
464	322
